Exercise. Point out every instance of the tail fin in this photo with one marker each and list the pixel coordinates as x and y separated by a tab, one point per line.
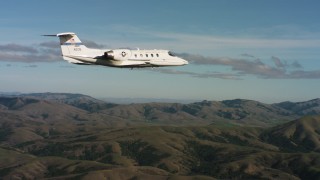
74	51
72	47
71	44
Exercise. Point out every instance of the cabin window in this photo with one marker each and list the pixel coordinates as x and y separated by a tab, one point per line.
146	55
151	55
141	55
135	55
157	55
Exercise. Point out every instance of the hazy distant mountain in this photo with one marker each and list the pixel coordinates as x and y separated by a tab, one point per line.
78	100
10	93
238	111
147	100
73	136
311	107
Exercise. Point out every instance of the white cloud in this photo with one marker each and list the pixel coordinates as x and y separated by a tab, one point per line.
44	52
243	67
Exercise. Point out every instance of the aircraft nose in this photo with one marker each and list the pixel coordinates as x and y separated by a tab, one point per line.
182	61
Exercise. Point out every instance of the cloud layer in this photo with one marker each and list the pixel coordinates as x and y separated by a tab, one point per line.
48	51
17	48
43	52
251	65
247	65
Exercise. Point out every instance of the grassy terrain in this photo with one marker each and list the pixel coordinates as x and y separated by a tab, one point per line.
49	139
163	152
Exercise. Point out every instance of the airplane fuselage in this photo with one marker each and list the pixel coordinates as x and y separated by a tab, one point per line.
131	58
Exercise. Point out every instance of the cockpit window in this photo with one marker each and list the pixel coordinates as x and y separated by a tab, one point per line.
171	53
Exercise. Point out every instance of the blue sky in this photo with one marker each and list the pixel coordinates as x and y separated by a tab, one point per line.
260	50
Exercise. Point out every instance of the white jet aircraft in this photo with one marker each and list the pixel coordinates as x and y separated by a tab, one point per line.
75	52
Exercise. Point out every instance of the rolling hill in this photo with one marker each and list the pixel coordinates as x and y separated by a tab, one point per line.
240	112
301	135
67	136
237	111
311	107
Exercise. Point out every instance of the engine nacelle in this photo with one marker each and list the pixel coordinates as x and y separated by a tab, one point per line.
118	54
109	55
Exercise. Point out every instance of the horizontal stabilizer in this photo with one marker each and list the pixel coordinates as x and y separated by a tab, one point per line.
60	34
54	35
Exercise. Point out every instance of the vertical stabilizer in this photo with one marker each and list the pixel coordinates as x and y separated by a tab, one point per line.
74	51
71	44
